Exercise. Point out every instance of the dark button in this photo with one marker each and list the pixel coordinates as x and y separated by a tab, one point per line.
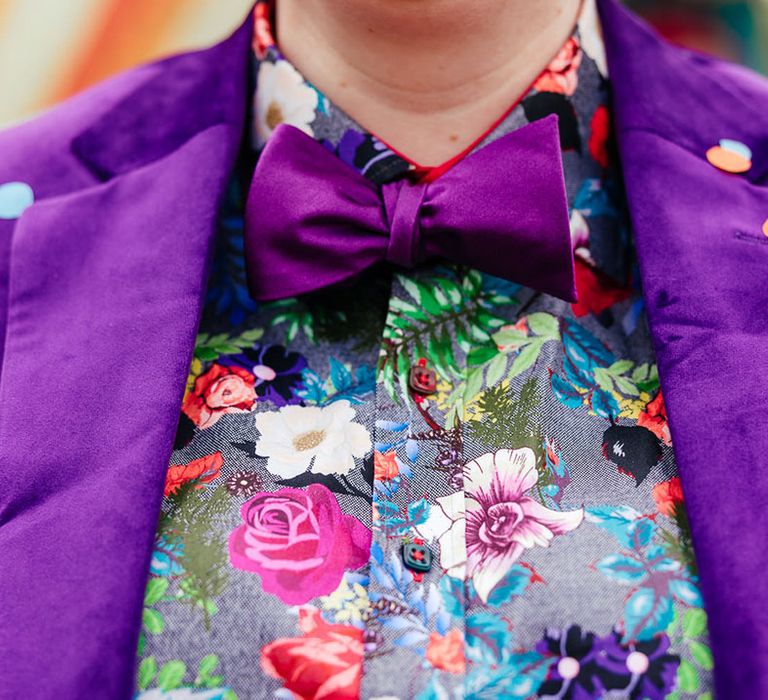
422	379
417	557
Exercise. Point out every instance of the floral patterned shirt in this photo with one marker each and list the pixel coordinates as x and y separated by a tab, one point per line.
329	533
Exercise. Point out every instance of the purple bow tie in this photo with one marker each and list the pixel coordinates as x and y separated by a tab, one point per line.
312	220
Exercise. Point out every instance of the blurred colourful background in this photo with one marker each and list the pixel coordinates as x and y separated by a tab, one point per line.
50	49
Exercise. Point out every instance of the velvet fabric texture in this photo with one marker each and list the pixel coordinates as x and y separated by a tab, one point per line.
105	273
311	220
703	269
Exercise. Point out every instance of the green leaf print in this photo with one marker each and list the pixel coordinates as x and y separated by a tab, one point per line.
510	338
509	420
171	675
612	379
689	629
702	655
147	671
442	315
187	521
152	620
544	325
694	623
208	347
156	588
646	377
496	369
687	677
526	358
334	315
207	666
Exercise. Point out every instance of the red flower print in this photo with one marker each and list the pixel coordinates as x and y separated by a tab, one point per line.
385	466
654	418
561	75
600	130
219	391
446	652
299	542
325	663
668	495
205	469
596	291
262	29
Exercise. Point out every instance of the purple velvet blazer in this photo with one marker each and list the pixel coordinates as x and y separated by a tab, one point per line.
101	285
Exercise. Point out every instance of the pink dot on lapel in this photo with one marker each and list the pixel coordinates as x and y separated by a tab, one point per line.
15	197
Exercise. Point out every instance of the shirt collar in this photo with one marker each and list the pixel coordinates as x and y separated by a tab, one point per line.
575	86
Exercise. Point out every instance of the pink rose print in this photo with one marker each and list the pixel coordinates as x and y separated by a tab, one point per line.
299	542
561	75
501	522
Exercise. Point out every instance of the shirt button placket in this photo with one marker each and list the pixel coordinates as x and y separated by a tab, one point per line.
415	622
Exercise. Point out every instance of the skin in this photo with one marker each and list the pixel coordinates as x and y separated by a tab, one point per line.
426	76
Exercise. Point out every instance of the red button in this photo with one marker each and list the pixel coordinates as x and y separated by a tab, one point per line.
422	379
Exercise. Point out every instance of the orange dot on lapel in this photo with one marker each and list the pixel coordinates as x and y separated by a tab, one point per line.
765	227
730	156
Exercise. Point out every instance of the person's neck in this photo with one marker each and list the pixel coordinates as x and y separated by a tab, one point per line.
426	76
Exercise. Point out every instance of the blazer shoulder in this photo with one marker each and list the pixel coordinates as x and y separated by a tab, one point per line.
129	119
39	151
737	94
731	74
133	118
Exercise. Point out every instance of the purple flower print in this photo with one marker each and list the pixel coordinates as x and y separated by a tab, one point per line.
278	372
586	666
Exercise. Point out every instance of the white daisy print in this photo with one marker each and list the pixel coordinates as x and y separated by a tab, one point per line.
297	438
282	97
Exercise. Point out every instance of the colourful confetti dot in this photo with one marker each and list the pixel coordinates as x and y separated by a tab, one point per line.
730	156
15	197
737	147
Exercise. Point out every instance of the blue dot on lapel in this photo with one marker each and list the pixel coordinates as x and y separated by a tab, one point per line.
737	147
15	197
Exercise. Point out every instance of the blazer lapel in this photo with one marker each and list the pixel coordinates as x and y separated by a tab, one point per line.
703	260
106	277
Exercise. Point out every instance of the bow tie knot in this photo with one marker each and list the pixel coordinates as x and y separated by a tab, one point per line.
312	221
402	207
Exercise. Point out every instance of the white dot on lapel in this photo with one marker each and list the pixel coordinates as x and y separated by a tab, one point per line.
15	197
